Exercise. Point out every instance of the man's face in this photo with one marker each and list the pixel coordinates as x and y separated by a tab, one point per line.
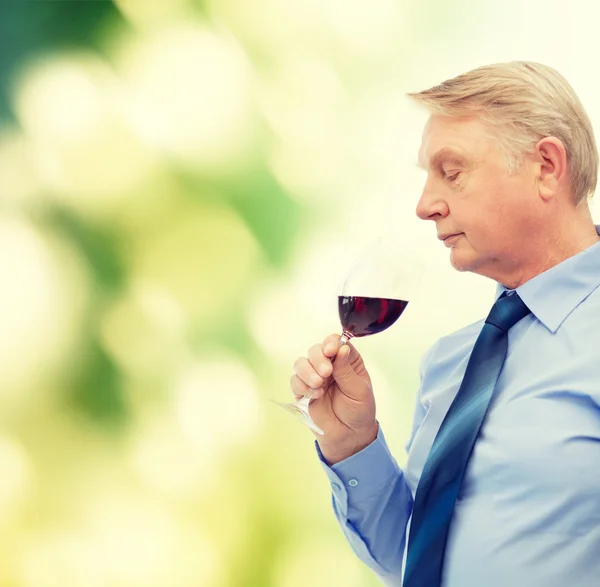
469	193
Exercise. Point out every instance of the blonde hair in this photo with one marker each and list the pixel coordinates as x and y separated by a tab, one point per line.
525	101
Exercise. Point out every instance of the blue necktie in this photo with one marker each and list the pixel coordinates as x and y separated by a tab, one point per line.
444	469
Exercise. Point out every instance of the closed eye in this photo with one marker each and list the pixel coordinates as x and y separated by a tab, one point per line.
453	177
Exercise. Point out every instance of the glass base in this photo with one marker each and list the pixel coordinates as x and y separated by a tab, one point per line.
299	409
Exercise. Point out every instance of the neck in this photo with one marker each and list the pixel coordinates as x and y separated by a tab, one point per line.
555	242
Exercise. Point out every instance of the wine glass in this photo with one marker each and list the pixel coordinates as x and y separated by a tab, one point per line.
374	295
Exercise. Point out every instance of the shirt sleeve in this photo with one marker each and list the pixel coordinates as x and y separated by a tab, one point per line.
373	503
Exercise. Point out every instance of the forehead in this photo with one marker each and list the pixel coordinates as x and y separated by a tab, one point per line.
458	140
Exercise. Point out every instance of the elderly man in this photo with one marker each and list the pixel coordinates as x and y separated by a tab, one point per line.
502	482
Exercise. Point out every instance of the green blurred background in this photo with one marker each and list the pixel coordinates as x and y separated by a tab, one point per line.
183	186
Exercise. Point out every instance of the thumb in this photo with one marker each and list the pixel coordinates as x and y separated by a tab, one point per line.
345	376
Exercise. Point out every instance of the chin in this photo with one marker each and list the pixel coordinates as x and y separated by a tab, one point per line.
462	261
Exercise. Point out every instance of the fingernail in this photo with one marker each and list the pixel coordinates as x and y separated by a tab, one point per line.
315	380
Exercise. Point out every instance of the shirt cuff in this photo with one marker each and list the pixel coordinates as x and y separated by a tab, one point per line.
361	476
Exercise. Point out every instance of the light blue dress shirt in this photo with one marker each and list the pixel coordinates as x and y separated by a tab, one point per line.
528	514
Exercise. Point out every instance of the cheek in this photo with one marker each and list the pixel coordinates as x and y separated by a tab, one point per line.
497	231
494	219
485	226
487	232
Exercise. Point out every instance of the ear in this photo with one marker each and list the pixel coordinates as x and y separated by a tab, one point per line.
552	171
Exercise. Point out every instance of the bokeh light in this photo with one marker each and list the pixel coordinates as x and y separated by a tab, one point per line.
42	278
191	90
183	188
87	151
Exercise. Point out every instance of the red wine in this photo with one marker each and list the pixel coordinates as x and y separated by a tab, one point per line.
362	316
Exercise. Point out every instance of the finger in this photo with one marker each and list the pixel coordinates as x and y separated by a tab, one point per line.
300	389
319	361
331	345
304	369
345	376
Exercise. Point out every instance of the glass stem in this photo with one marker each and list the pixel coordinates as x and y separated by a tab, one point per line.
346	336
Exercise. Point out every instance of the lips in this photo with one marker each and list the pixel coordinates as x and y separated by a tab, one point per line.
449	239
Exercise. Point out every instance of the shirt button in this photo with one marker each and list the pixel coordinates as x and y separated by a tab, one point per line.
335	486
353	482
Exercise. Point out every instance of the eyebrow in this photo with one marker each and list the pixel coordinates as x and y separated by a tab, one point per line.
446	154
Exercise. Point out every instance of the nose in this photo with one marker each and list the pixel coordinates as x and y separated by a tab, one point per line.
431	206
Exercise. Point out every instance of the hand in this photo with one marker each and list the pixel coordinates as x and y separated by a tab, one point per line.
343	405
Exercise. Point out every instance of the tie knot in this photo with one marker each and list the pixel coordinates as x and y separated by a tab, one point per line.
507	311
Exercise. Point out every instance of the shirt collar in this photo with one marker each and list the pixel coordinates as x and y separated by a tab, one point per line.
554	294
